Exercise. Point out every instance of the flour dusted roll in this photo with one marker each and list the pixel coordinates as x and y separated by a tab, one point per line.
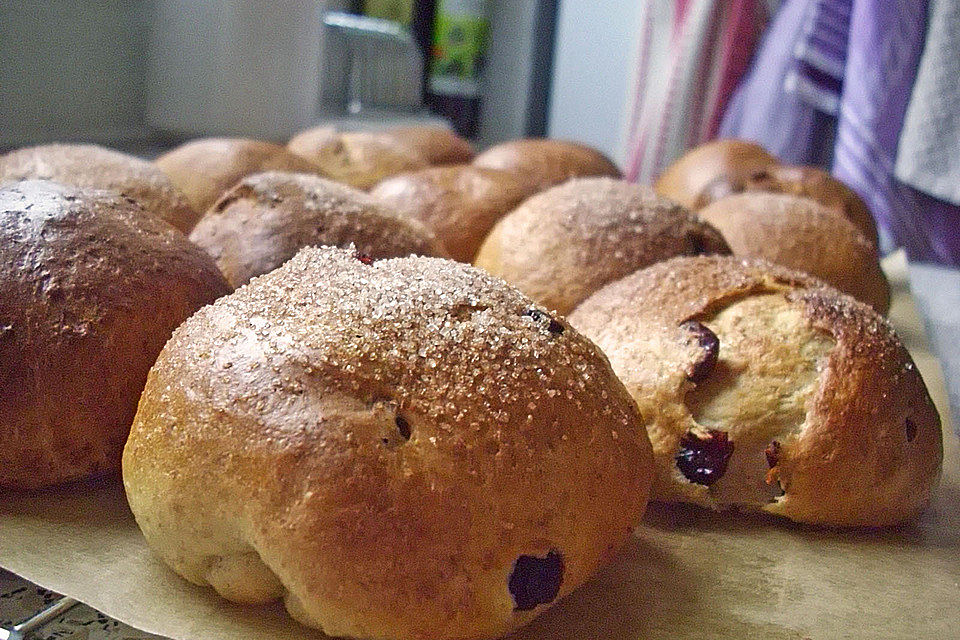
801	234
204	168
406	448
712	166
96	167
764	389
91	287
360	159
563	244
458	203
545	163
267	217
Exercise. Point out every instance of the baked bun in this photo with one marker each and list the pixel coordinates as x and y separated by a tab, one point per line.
800	234
459	203
436	145
809	182
710	167
203	169
92	166
763	389
563	244
91	287
359	159
402	449
544	163
268	217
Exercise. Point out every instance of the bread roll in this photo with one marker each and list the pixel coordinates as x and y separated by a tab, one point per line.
89	165
545	163
91	287
359	159
436	145
709	167
563	244
800	234
459	203
203	169
809	182
267	217
765	390
400	449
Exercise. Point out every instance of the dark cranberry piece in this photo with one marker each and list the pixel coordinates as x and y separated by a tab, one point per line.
363	257
773	454
703	459
709	345
538	316
403	427
911	430
535	580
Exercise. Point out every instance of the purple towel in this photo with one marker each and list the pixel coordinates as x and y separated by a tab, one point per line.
883	53
832	80
763	110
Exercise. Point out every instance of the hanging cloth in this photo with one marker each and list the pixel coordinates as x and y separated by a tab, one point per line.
690	58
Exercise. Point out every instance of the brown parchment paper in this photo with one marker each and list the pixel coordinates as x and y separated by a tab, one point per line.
687	574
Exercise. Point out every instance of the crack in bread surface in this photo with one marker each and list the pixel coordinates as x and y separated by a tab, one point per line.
768	370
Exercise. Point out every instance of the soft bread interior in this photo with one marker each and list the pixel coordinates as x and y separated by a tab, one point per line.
759	392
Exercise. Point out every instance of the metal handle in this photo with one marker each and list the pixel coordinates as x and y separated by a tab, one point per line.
39	619
366	27
364	36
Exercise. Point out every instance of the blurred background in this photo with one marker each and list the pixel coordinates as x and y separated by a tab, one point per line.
138	73
866	89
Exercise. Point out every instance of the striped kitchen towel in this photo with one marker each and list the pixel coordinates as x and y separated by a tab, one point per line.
691	55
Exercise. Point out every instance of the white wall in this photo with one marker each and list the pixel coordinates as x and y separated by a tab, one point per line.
596	43
505	85
71	69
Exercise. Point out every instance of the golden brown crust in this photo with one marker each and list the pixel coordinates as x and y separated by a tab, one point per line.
437	145
267	217
95	167
809	182
459	204
563	244
379	444
800	234
867	447
91	287
719	162
359	159
204	168
545	163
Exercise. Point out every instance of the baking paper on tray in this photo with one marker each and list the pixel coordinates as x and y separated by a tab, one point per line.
687	573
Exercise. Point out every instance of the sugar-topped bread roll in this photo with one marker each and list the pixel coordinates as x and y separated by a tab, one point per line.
544	163
407	448
91	287
96	167
360	159
801	234
458	203
764	389
267	217
203	169
563	244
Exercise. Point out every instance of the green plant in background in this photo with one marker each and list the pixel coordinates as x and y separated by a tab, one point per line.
397	10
